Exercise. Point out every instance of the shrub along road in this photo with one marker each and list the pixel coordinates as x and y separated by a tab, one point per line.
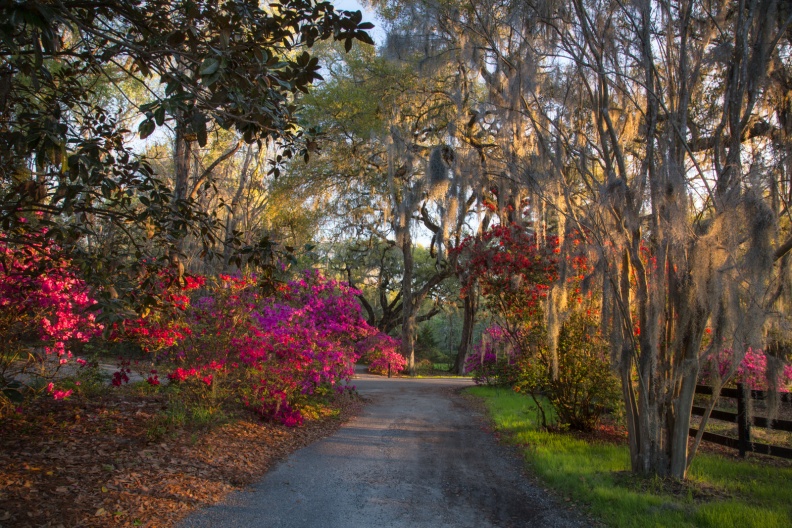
417	456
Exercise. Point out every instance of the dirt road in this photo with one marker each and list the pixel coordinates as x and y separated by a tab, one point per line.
417	456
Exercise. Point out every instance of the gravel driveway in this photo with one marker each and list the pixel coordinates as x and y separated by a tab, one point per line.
417	456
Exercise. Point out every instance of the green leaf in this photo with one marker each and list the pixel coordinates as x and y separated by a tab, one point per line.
362	36
199	127
159	115
210	65
13	392
146	128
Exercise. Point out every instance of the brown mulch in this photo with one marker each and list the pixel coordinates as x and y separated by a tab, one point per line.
92	463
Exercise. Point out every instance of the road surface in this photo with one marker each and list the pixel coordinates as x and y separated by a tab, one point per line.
416	456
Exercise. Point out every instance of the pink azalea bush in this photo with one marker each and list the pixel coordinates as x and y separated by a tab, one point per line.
275	351
751	371
381	353
492	361
44	307
304	339
223	336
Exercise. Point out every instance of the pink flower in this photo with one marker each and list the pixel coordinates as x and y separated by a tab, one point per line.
61	395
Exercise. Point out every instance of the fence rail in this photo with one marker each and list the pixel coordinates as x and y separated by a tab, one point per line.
726	392
743	442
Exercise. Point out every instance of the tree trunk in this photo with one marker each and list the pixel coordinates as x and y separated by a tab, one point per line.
182	167
232	219
471	306
408	304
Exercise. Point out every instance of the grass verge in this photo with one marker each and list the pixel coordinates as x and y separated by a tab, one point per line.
720	492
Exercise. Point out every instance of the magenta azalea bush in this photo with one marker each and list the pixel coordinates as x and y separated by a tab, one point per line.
752	371
274	351
492	361
216	338
381	353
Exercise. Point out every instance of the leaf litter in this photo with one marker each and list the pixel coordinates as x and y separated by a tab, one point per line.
92	463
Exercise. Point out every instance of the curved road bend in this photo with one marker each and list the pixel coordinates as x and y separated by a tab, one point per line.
415	457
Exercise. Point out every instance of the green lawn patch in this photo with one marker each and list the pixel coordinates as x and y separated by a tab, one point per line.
719	493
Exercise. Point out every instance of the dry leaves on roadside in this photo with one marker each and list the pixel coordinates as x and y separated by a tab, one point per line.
73	463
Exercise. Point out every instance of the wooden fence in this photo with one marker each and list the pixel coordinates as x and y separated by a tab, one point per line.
743	443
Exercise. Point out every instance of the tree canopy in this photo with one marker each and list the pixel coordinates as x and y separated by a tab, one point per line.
71	167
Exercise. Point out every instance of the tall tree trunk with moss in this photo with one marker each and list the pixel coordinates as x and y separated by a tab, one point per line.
468	322
408	311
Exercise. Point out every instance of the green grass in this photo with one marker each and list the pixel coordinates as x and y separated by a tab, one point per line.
719	493
435	376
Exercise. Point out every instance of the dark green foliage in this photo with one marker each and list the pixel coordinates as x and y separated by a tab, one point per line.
66	161
585	387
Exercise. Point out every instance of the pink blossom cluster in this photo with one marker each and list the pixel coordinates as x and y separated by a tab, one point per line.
381	352
275	350
43	302
490	357
751	371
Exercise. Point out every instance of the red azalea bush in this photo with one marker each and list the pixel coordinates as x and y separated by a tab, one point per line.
513	267
516	272
45	309
165	326
381	353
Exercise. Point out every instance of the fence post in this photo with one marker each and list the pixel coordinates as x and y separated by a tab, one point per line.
743	424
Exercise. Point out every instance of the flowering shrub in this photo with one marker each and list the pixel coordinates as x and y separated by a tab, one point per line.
516	272
514	269
275	351
164	327
381	352
751	371
305	339
44	306
493	359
